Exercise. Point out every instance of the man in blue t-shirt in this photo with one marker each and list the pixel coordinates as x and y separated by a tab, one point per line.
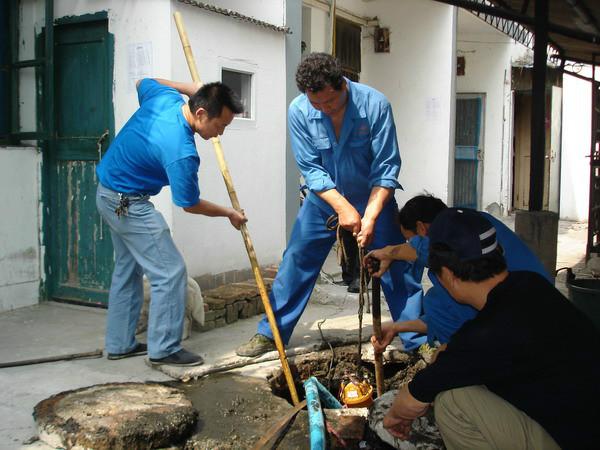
156	148
443	316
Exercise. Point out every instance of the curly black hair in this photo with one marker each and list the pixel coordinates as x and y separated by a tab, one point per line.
317	70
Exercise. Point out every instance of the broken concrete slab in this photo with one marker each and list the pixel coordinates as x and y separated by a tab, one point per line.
424	431
116	416
346	426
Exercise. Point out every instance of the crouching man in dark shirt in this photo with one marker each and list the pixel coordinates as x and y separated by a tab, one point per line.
524	373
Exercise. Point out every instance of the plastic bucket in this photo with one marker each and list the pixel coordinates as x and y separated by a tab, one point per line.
585	295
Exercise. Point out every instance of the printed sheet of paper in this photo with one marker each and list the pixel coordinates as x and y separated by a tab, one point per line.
139	62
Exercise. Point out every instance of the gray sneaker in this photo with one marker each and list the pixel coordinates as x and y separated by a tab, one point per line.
179	358
258	345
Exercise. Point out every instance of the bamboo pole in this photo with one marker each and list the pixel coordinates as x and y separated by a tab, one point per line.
187	49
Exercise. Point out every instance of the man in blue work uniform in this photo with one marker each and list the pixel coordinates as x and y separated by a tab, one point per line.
443	315
156	148
344	141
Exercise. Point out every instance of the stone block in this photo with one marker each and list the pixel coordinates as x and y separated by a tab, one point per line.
245	312
232	313
210	315
250	308
208	325
214	303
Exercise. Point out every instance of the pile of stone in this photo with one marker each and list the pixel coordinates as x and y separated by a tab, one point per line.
228	303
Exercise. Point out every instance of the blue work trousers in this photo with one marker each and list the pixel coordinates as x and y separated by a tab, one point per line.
307	249
143	245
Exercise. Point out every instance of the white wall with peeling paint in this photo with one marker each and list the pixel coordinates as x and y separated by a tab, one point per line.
254	148
19	235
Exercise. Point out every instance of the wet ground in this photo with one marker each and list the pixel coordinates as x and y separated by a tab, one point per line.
236	411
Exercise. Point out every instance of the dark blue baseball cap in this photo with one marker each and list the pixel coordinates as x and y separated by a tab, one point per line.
467	232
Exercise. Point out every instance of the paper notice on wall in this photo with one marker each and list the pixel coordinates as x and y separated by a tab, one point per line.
432	109
139	62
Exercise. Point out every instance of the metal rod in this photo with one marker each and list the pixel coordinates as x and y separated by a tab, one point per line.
376	295
70	356
236	205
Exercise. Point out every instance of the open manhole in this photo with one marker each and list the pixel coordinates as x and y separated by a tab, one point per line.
338	367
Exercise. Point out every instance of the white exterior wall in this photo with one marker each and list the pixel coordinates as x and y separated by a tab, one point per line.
417	78
254	149
19	229
488	71
575	161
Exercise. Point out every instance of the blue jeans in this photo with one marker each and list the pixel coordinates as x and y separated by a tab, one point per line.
143	245
308	247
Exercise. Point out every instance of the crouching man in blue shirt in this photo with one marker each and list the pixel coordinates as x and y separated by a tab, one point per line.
508	378
344	141
156	148
443	316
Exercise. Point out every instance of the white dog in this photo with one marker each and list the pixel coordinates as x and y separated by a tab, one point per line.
194	308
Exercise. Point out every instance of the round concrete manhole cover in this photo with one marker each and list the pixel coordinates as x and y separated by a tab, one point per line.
116	416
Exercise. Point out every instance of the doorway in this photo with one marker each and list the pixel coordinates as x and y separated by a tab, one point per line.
468	150
522	140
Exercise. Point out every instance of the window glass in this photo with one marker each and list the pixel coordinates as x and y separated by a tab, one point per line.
241	83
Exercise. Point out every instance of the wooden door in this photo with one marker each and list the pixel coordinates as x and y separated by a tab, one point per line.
80	259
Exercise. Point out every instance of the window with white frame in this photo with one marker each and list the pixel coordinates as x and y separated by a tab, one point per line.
241	83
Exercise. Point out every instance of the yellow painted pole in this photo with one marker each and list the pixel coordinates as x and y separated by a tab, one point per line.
187	49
